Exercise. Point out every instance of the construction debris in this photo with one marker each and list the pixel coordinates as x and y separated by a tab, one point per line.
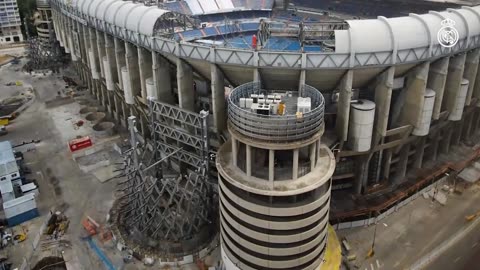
57	225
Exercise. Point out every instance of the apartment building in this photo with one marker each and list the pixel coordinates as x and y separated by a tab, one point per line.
10	23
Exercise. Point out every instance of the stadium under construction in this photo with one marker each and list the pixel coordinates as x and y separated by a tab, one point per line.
259	122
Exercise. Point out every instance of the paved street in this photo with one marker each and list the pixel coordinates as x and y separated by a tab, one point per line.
415	230
463	255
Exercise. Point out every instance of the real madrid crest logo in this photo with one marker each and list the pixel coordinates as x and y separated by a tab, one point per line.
448	35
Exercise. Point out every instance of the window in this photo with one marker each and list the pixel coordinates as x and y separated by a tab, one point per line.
14	175
3	178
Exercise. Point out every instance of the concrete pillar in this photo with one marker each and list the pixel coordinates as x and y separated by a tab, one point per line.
454	80
110	55
361	173
101	51
86	44
467	130
131	58
234	151
437	78
145	65
162	79
295	164
419	153
470	73
447	133
434	146
313	152
271	166
402	163
477	122
301	81
457	134
119	59
383	97
93	53
249	160
412	110
186	95
116	115
218	99
83	45
387	163
256	75
343	107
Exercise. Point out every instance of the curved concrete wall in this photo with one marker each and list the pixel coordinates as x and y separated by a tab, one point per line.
391	44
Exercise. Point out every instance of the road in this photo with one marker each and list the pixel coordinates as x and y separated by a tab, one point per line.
463	255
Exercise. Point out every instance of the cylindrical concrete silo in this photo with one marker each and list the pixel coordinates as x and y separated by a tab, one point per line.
457	112
151	91
362	115
108	74
127	88
429	102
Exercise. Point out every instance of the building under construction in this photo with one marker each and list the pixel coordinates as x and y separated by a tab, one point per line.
255	114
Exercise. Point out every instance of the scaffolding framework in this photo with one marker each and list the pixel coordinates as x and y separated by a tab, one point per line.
164	209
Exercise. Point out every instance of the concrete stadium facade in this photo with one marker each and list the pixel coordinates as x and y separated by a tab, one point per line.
396	63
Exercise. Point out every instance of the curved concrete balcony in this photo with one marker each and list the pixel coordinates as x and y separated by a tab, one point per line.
275	128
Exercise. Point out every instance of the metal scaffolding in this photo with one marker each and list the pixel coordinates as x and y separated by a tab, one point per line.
160	208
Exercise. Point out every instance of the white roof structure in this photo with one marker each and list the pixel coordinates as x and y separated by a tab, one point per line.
413	31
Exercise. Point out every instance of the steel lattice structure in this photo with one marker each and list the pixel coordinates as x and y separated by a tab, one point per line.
170	213
44	55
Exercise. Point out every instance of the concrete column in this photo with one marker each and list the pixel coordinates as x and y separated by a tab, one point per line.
131	59
412	110
419	153
249	160
271	166
145	65
301	81
218	99
101	51
457	135
86	45
162	79
387	163
437	78
467	131
470	73
447	133
361	173
93	53
234	151
402	163
434	145
343	107
116	115
119	59
256	75
313	152
383	97
295	164
110	54
477	122
186	95
454	80
319	146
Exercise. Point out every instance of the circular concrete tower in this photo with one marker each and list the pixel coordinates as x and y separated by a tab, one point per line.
274	180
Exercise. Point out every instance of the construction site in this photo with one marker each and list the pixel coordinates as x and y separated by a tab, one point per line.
240	135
